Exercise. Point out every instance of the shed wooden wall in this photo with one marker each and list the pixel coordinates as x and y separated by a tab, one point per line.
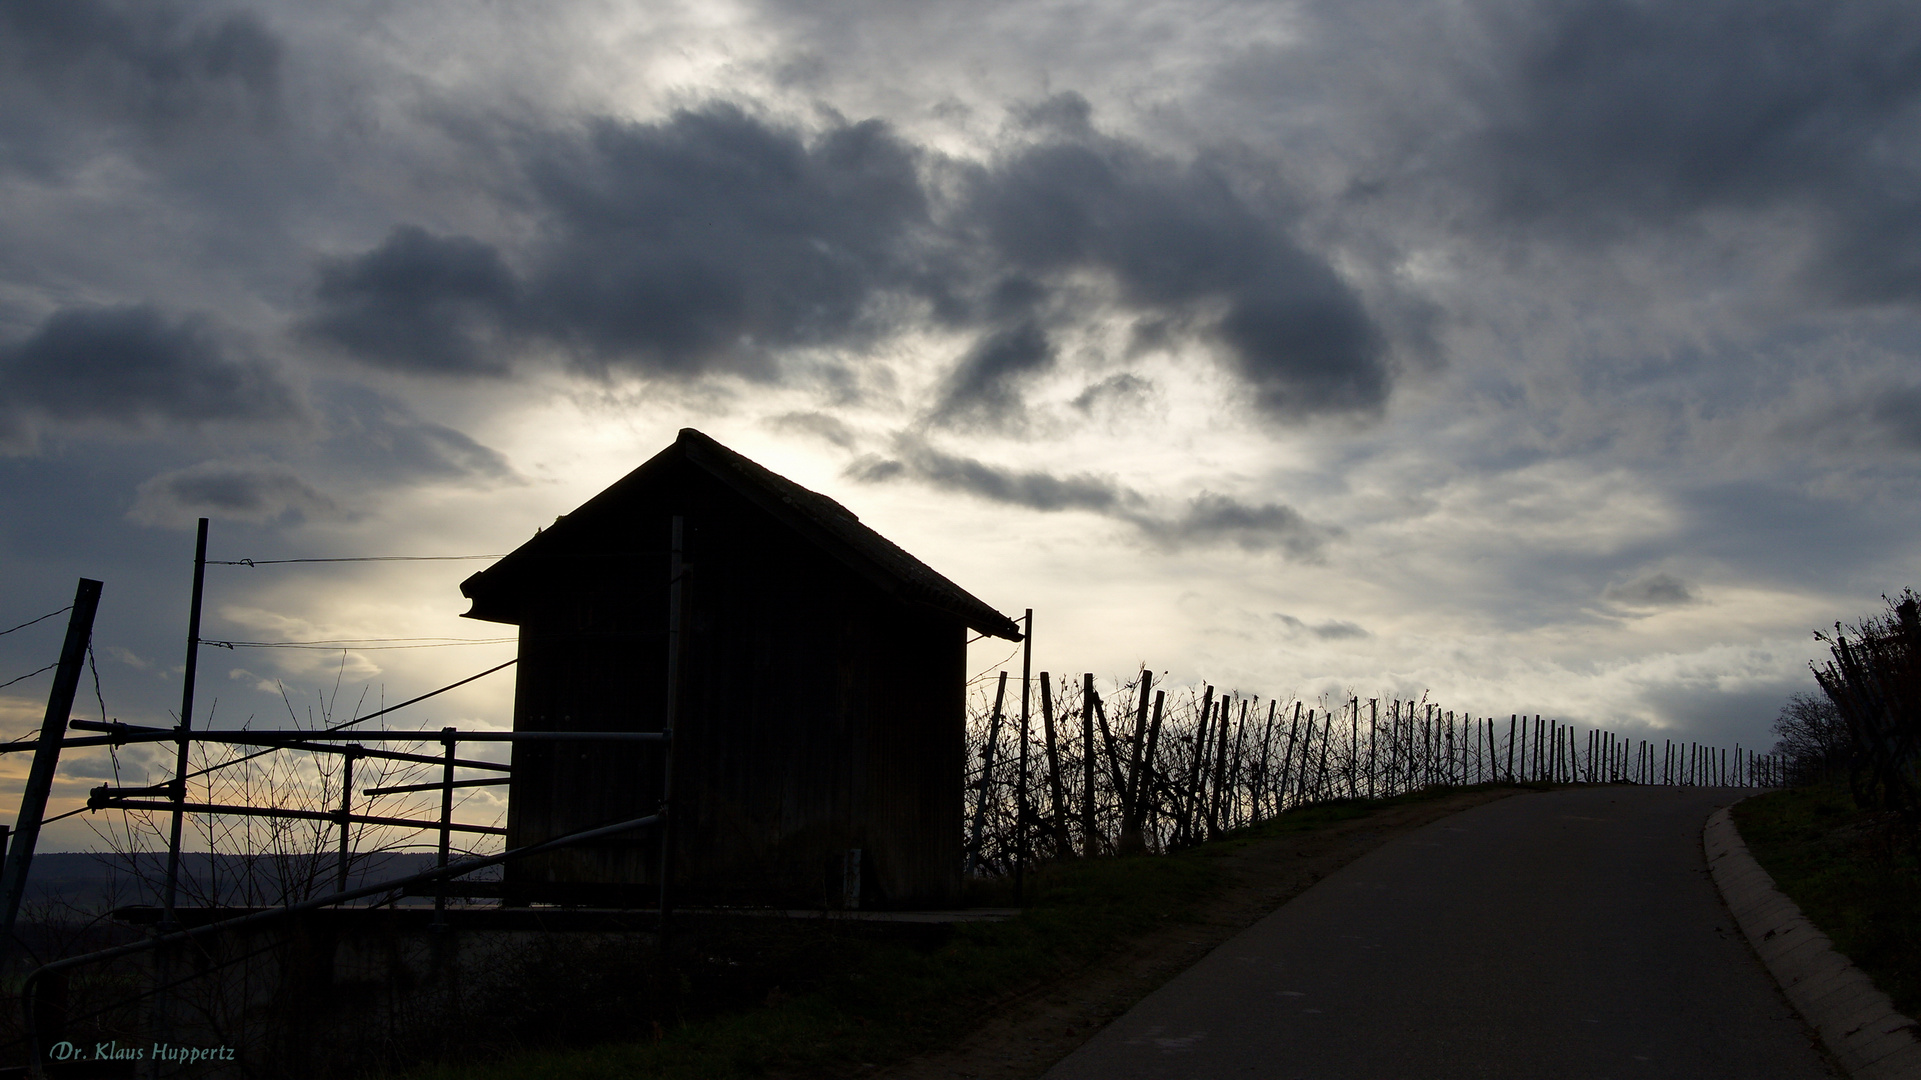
819	714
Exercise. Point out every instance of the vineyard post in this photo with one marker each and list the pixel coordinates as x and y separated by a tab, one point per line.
1222	737
1056	795
1131	840
1020	783
986	775
346	809
46	753
1307	758
171	889
1145	796
1327	739
1260	771
1114	773
1373	755
1193	793
1353	748
1240	748
1394	748
1428	752
1287	762
1090	839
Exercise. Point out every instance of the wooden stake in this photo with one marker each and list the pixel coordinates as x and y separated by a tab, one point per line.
1090	837
46	757
1057	798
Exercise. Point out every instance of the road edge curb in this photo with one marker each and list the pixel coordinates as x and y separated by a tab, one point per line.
1857	1023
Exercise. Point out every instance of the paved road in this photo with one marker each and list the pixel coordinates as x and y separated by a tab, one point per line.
1548	936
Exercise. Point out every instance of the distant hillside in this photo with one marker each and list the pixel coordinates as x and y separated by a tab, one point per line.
92	882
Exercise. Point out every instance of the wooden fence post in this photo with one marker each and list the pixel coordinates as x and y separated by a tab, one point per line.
1260	770
1194	779
987	773
1146	796
1056	792
1131	841
1222	736
1114	774
1090	836
46	757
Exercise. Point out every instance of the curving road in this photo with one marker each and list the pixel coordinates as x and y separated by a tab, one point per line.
1564	935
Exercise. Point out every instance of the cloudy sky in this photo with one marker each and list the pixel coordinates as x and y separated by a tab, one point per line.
1554	356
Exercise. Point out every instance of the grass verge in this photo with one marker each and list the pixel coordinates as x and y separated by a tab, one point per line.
1853	872
861	1002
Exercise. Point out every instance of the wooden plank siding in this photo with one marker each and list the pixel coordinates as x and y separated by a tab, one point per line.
820	710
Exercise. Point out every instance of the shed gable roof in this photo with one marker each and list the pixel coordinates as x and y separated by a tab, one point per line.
820	520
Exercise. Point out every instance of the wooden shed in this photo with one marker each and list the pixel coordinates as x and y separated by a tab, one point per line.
820	700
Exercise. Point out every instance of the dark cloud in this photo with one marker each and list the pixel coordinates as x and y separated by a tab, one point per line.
984	389
1331	630
715	241
1898	413
372	435
255	492
1126	388
1208	519
1604	115
1034	490
709	240
1216	519
818	425
1176	235
132	367
156	69
1653	590
421	304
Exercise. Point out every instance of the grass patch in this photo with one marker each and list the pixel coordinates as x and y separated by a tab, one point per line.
857	1001
860	1000
1854	873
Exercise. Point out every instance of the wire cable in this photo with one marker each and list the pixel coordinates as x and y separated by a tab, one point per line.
29	675
991	668
357	558
30	622
351	644
357	720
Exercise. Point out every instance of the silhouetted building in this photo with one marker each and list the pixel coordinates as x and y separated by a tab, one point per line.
821	694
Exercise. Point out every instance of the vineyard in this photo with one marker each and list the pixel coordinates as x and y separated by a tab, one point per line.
1069	769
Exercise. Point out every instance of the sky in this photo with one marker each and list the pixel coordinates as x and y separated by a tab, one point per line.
1545	356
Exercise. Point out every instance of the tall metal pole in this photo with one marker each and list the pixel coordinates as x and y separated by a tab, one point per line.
171	893
1020	785
46	758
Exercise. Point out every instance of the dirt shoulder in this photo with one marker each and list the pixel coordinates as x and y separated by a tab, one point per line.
1028	1033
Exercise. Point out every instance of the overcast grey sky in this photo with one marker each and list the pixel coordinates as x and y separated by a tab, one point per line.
1552	356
